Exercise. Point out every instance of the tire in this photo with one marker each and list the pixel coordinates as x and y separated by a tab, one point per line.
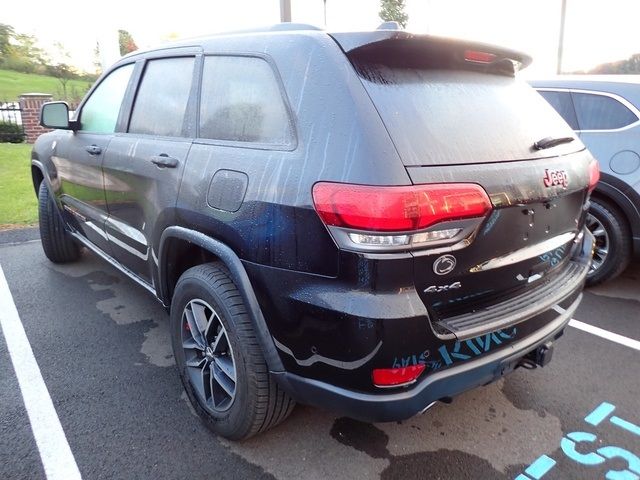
57	244
207	301
612	251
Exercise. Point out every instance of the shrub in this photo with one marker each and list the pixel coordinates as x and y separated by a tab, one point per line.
11	133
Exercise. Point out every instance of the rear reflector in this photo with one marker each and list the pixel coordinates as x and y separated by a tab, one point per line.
394	377
594	174
397	209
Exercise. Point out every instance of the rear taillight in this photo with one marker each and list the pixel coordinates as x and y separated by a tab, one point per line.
365	211
396	377
594	174
397	209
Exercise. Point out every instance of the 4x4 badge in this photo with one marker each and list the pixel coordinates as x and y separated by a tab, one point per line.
442	288
444	264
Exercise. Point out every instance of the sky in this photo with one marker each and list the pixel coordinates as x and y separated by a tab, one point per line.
596	31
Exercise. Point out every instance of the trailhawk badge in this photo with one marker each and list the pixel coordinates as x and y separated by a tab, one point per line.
444	264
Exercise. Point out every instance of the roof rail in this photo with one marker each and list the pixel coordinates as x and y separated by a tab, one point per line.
285	26
393	25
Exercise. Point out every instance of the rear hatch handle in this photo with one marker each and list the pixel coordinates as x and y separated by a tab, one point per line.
550	142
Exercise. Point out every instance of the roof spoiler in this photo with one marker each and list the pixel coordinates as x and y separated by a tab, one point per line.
451	53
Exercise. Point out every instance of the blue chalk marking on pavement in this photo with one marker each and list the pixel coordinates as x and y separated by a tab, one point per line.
540	467
628	426
599	414
568	446
624	475
632	461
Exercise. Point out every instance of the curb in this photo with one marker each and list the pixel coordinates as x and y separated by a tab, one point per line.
19	235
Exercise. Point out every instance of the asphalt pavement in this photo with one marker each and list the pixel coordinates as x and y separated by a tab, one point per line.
102	346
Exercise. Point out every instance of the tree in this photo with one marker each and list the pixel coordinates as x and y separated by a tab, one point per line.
126	41
393	11
19	51
621	67
6	34
97	59
62	70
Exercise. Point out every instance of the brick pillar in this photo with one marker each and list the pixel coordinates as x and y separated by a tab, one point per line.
30	104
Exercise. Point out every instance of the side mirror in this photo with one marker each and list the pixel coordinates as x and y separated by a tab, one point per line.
55	115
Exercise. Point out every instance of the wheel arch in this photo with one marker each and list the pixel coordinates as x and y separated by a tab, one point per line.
620	195
179	240
37	175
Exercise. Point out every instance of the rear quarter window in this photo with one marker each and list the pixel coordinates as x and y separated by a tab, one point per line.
241	101
563	104
601	112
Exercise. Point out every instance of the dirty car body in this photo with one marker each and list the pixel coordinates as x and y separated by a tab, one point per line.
398	239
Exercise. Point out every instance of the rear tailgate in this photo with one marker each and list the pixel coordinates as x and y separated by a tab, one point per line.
522	246
456	120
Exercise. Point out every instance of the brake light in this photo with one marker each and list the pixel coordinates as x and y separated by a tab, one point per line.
594	175
397	209
395	377
479	57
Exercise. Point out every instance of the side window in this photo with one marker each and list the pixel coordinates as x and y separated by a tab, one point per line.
241	102
161	102
599	112
563	104
100	112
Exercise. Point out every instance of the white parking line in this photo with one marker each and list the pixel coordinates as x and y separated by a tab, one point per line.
613	337
601	332
57	459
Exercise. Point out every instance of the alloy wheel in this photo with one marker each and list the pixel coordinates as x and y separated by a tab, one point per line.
209	358
601	247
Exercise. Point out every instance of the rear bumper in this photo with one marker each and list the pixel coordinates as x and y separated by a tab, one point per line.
484	369
386	407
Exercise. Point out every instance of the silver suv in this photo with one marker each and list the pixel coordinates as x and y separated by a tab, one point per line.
605	112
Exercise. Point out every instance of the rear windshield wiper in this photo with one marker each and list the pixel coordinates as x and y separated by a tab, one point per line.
549	142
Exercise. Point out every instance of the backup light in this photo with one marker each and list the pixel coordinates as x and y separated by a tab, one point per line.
434	235
370	239
396	377
416	239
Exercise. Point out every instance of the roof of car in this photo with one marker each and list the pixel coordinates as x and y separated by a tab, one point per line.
347	40
626	86
580	81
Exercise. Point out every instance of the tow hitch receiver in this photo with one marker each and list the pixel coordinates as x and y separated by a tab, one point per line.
539	357
542	355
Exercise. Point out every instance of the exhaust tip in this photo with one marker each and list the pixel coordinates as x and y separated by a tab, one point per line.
446	400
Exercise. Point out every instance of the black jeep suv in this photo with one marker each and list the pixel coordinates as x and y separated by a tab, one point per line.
367	222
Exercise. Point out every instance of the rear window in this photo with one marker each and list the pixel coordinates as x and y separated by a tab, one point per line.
161	102
440	116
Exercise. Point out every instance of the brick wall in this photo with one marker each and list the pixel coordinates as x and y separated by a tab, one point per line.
30	104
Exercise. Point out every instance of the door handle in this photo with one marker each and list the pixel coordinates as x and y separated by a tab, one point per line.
93	149
164	161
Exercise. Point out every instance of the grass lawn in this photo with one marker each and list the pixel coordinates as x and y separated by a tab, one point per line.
12	84
18	203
